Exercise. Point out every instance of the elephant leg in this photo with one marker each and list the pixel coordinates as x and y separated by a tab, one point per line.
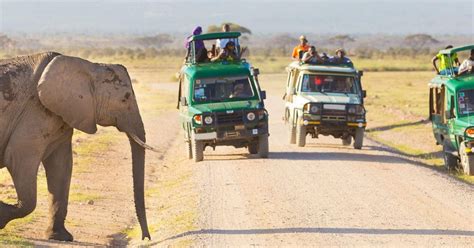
58	167
23	170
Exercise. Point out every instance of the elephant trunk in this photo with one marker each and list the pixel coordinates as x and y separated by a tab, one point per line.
138	162
133	127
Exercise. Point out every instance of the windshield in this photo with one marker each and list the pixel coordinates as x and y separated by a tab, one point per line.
328	83
221	89
466	102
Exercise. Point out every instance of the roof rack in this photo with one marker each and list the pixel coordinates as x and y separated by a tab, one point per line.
456	49
215	36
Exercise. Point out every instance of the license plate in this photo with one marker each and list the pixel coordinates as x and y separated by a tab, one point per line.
239	127
334	106
232	134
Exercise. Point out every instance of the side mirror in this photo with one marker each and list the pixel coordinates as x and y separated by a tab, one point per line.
364	93
255	72
360	73
183	102
263	94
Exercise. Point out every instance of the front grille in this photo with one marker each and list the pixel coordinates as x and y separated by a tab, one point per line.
229	118
334	112
334	118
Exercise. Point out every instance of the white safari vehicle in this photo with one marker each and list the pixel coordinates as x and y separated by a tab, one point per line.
325	100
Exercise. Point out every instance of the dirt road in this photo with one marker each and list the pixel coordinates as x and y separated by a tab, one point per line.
320	195
326	195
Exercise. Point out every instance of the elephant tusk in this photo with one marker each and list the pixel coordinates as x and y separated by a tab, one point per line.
141	143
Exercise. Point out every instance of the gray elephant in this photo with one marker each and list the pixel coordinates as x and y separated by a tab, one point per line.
43	97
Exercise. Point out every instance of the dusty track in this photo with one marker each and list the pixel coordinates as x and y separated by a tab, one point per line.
327	195
322	195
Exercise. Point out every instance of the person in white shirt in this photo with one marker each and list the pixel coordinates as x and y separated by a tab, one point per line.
221	43
467	64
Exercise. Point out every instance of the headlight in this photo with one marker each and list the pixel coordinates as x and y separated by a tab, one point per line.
314	109
208	120
469	132
198	119
261	114
351	110
360	110
250	116
356	110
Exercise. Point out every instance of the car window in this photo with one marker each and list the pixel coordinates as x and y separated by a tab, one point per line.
466	102
222	89
328	83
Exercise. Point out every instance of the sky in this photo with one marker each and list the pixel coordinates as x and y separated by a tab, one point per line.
261	16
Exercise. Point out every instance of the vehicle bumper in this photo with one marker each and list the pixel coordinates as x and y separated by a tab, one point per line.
243	134
469	146
332	124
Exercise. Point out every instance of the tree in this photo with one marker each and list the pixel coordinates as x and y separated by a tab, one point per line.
233	27
6	42
154	41
417	41
284	40
284	43
340	40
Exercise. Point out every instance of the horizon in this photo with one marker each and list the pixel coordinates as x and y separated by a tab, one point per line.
159	16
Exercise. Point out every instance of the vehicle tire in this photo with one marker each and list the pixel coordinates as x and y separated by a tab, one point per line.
198	150
291	134
301	135
347	141
450	161
467	161
253	148
359	138
189	149
263	146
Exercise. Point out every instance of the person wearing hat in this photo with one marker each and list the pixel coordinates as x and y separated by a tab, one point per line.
301	48
341	59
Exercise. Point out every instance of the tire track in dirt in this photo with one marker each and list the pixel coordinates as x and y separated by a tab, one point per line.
327	195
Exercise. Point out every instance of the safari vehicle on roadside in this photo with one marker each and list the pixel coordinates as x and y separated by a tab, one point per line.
451	104
324	100
221	103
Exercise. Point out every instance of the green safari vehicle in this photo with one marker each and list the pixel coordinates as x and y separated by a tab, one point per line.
451	104
221	102
324	100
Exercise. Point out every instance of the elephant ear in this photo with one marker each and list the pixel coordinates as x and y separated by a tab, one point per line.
66	89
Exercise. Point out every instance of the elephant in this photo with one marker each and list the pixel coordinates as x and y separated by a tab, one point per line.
43	98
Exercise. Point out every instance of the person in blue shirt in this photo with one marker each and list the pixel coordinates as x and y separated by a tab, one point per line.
341	59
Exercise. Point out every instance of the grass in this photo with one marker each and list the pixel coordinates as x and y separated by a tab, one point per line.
10	235
278	64
164	68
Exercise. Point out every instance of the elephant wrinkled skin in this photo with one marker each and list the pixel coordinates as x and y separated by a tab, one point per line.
43	97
